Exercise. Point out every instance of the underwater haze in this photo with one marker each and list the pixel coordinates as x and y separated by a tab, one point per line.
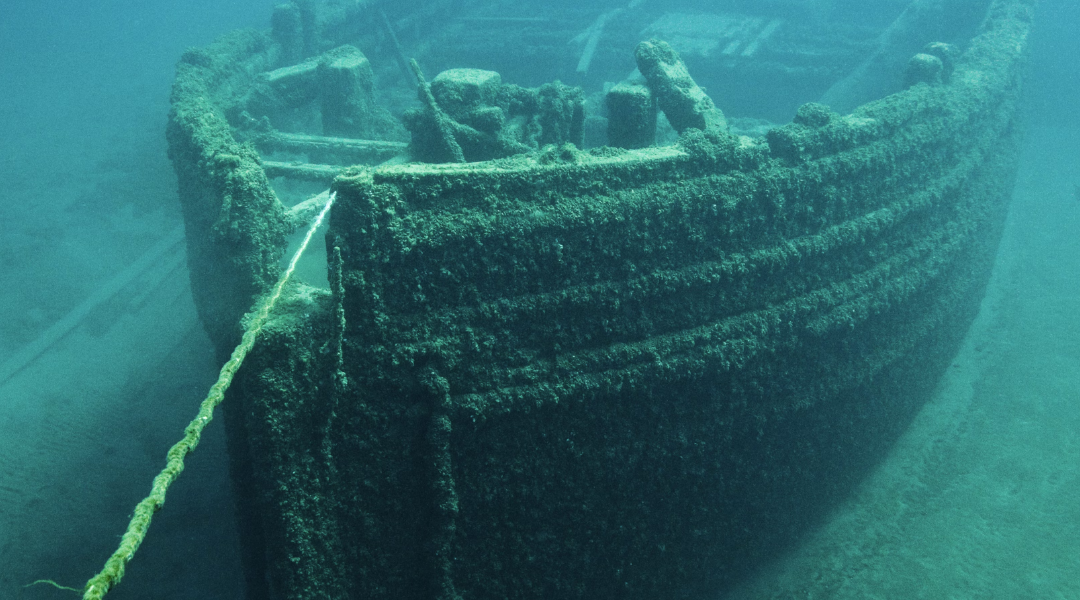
86	190
103	361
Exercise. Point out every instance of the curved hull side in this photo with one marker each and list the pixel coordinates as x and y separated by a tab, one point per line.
622	374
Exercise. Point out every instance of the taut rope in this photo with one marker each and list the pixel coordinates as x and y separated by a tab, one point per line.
110	576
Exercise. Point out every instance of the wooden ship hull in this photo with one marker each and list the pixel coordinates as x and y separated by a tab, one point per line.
613	373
